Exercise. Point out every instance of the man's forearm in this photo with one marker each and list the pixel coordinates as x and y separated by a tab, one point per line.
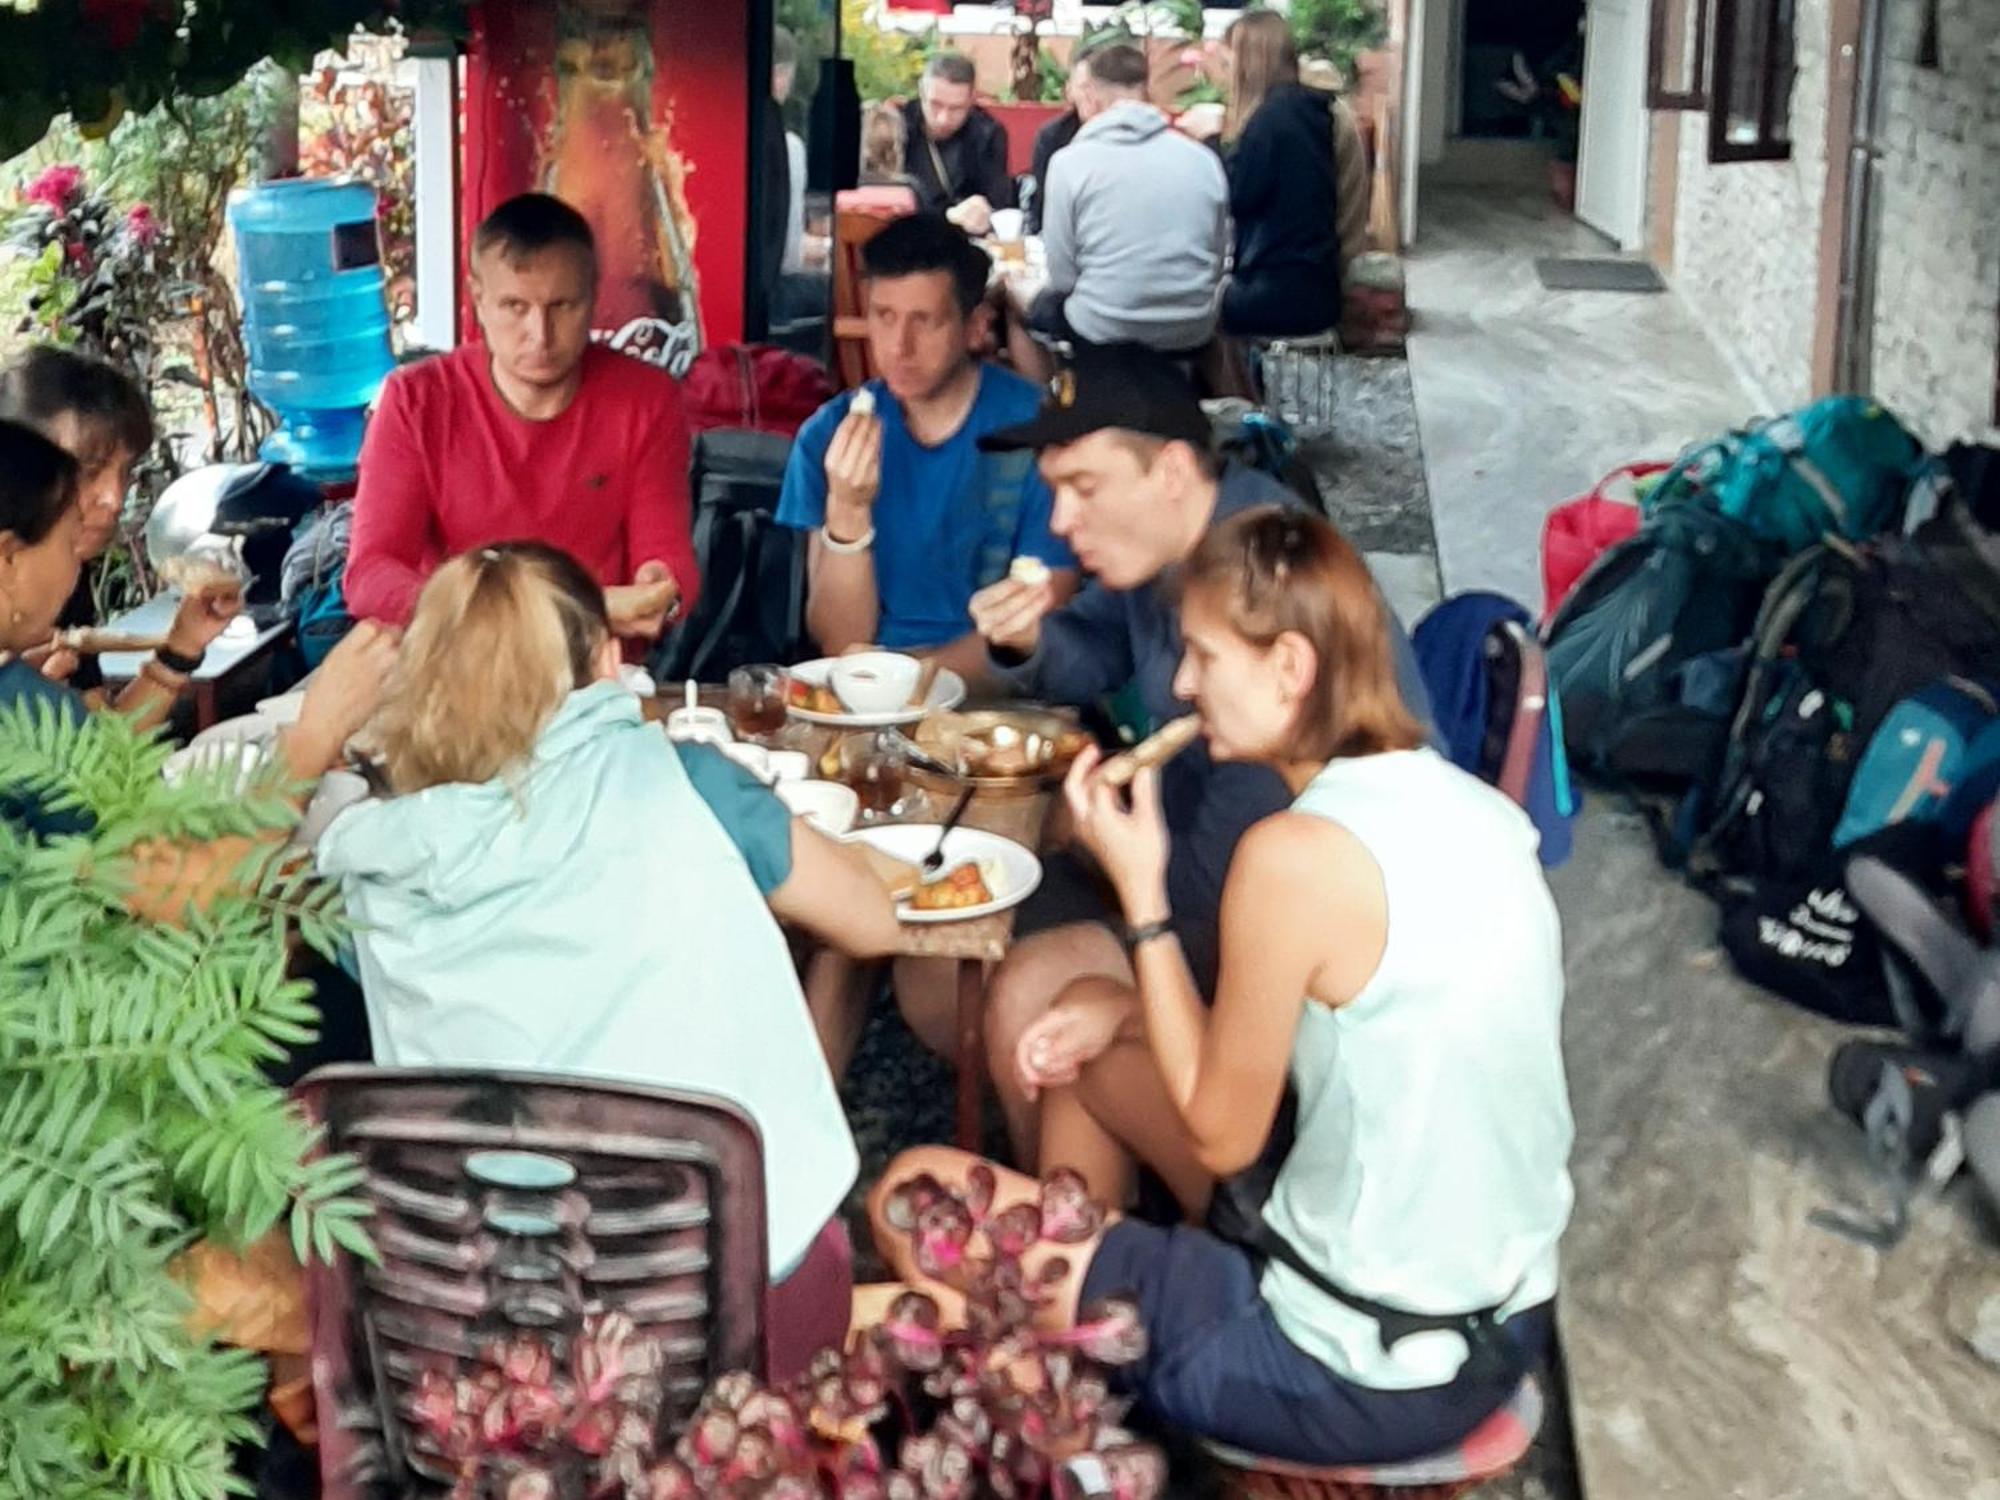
843	609
968	657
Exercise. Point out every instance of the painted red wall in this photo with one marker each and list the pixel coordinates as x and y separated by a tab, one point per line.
553	95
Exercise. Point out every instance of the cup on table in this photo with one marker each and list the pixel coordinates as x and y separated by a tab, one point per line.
756	702
874	765
699	726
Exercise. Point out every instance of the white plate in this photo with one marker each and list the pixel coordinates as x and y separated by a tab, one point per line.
947	691
283	709
1012	873
228	764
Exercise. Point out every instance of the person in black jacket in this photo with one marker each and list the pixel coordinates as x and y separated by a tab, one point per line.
1279	140
1057	134
957	152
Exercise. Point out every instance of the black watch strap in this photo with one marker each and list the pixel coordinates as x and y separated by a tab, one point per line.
173	661
1137	937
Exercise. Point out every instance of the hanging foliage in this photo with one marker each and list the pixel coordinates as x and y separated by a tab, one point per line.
96	59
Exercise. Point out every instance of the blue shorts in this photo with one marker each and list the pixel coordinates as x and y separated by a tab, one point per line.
1217	1364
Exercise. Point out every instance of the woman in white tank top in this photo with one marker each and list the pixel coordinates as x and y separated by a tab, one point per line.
1389	946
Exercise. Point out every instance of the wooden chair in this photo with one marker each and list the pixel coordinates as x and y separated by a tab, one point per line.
858	216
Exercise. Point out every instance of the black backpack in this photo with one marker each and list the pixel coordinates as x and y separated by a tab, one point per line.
753	570
1683	589
1843	636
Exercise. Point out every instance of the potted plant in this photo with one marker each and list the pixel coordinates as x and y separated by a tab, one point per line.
135	1120
910	1410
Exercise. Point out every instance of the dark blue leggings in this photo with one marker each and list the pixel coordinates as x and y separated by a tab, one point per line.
1218	1365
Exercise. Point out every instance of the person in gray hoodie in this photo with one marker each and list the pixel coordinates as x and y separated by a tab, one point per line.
1135	222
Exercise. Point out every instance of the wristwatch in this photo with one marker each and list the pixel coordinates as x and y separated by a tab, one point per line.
1137	937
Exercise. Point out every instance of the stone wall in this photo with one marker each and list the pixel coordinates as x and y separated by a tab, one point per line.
1746	235
1937	296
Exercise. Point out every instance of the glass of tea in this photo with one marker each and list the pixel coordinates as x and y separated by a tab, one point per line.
873	764
756	702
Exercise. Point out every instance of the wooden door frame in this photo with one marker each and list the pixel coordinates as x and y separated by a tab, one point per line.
1842	103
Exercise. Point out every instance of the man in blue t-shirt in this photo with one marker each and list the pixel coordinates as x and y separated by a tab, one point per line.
909	519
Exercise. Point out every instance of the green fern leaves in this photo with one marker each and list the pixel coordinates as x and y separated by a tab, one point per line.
135	1117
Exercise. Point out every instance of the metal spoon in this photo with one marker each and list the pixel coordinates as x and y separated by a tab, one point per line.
934	861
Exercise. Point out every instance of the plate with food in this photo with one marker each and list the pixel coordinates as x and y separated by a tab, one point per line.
1002	749
870	690
982	872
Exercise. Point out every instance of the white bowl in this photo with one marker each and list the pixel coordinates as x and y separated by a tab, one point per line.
789	765
827	805
875	682
699	726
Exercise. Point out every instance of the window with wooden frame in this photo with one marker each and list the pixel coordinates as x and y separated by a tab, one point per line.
1753	62
1677	57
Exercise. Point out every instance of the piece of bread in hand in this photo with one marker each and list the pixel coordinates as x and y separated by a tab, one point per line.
1156	750
863	404
1029	570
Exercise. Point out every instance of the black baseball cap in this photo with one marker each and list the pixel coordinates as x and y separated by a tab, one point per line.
1126	386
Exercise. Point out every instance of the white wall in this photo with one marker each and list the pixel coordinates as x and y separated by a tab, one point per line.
1937	298
1746	235
1444	24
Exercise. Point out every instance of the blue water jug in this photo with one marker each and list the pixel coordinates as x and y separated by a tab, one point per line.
309	266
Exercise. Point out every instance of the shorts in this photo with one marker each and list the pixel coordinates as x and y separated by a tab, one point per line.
1074	893
1218	1365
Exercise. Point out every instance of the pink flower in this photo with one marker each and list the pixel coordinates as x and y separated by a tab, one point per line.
58	187
141	225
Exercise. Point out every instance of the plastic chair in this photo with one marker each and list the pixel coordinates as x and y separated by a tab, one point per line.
1298	380
511	1201
1494	1448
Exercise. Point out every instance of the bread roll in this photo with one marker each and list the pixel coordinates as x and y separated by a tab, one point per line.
1156	750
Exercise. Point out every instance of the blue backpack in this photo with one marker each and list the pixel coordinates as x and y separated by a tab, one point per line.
1935	758
313	568
1497	711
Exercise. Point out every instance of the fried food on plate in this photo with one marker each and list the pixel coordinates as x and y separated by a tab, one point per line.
814	698
955	890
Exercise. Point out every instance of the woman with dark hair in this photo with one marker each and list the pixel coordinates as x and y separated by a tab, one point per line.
1389	945
1283	185
97	415
42	527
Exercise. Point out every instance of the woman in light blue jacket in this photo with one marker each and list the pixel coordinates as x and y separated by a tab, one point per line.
550	888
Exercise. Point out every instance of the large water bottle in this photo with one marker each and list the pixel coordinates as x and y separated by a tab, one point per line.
309	265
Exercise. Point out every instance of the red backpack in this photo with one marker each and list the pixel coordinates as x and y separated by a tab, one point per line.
754	387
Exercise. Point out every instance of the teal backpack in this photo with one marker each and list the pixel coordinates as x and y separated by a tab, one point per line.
1841	466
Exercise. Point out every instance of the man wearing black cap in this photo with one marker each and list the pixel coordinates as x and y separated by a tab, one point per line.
1128	453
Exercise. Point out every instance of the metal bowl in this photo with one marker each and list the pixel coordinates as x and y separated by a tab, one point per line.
1047	739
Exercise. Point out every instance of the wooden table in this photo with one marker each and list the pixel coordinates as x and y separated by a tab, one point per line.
972	945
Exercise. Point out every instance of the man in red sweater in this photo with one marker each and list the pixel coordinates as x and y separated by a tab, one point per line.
536	434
